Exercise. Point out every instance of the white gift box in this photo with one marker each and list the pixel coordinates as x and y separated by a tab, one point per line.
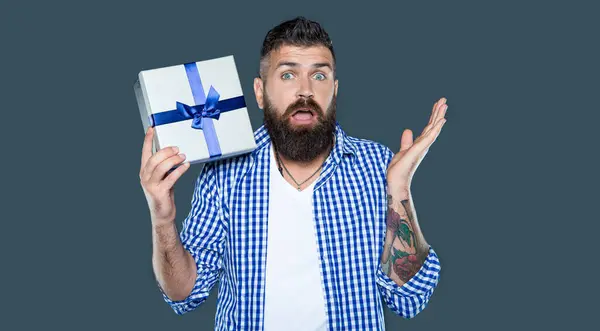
181	103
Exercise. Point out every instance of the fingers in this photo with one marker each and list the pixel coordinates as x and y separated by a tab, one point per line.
147	147
147	172
429	134
174	176
424	141
440	111
437	107
163	167
433	111
434	132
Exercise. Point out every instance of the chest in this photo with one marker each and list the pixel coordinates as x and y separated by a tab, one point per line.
347	209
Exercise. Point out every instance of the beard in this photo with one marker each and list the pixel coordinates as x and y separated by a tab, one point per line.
302	143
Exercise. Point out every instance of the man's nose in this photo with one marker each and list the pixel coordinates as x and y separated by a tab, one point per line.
305	89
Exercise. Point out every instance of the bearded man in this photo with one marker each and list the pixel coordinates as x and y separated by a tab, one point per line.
314	229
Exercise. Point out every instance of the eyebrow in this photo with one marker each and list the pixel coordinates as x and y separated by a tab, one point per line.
295	64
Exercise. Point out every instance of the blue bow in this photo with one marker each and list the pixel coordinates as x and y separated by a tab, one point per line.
199	112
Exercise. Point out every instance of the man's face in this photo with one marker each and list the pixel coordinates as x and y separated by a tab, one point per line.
298	99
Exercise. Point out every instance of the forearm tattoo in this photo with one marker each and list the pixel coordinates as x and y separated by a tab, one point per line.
404	250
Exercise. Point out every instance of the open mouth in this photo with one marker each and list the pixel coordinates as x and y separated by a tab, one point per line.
303	114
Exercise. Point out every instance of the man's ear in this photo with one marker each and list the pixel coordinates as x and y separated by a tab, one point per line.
258	91
336	87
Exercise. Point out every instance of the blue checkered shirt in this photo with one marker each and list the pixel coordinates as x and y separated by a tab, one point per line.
226	233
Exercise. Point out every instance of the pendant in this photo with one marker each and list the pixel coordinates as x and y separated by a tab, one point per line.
298	188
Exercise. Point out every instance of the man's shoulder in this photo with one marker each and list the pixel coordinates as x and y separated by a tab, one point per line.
223	174
233	165
369	149
230	165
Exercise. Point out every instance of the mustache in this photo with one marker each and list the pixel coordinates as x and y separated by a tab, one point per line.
304	103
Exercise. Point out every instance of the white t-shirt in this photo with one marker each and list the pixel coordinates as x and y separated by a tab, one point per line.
294	297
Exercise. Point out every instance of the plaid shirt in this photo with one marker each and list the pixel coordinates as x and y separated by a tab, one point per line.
226	233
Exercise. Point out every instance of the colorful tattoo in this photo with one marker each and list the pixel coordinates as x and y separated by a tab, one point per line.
403	253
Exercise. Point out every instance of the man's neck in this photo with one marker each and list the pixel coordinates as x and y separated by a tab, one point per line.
309	165
301	170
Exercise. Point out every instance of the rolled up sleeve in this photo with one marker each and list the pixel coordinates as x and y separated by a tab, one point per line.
412	297
203	236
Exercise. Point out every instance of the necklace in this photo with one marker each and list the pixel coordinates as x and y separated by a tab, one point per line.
292	177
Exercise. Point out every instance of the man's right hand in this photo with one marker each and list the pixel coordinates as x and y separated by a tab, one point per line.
157	186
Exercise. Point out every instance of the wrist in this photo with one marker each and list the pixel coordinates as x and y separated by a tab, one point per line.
159	224
398	190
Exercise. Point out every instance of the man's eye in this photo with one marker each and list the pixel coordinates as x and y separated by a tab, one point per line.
287	75
319	76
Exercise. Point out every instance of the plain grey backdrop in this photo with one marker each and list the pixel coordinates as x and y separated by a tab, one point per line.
506	194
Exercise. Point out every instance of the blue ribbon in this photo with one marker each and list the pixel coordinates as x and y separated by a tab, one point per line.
206	110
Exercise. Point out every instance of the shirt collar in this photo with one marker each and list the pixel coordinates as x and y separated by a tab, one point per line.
343	146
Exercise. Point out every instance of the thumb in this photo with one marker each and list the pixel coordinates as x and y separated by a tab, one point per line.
407	139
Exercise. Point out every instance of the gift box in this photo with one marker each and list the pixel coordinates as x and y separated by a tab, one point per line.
198	107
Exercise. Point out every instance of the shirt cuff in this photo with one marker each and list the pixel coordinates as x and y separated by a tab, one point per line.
424	281
198	294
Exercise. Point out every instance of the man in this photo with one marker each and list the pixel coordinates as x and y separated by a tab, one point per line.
312	229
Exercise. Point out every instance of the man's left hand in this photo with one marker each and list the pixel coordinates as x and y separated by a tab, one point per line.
405	162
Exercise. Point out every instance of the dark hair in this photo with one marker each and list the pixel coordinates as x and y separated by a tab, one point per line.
299	31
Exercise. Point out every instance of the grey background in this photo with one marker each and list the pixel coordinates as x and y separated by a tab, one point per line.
506	194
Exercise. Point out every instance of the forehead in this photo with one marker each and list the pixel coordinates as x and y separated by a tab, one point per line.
305	56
